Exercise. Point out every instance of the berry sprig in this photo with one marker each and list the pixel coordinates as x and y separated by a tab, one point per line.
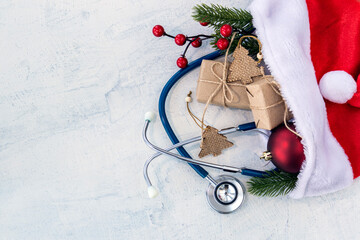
220	39
181	39
217	16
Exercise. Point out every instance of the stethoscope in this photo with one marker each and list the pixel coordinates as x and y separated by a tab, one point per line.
225	193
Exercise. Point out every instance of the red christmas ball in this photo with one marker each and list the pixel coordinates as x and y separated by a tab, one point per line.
182	62
204	23
222	43
158	31
226	30
286	149
180	39
196	42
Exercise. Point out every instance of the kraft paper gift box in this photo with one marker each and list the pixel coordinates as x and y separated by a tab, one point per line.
267	106
208	83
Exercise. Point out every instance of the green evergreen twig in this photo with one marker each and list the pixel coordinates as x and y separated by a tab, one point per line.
217	16
273	184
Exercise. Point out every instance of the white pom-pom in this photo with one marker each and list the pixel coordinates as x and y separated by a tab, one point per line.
188	99
150	116
153	192
337	86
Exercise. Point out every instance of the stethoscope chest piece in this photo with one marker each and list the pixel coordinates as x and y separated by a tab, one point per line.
227	195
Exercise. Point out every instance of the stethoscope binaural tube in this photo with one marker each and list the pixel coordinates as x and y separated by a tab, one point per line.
244	171
186	159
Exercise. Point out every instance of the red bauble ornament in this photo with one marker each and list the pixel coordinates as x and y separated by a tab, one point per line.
287	152
180	39
158	31
182	62
204	23
222	43
196	42
226	30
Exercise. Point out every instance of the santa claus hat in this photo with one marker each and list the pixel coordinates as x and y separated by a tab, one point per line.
312	48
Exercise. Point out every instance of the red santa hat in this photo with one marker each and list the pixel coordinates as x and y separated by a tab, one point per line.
312	48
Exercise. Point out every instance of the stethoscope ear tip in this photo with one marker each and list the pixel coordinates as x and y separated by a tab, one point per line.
150	116
153	192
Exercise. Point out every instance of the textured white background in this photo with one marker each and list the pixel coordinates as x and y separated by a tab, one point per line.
76	78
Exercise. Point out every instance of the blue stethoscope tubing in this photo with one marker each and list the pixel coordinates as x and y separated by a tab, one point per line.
170	132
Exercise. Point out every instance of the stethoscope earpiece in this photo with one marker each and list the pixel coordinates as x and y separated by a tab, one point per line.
152	192
150	116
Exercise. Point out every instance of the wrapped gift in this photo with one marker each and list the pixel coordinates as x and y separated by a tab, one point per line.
266	103
210	84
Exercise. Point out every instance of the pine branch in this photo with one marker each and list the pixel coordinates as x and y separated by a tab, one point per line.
217	16
273	184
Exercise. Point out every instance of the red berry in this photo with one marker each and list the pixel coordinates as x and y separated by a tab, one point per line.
222	43
158	31
196	42
226	30
204	23
180	39
182	62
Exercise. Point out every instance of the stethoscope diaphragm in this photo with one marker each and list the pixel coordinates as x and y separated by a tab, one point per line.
227	195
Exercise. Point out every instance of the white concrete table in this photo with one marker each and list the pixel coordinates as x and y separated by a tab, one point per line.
76	79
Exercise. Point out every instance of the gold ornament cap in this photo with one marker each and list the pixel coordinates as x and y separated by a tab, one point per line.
266	156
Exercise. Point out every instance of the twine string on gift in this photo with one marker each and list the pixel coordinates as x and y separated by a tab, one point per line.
227	87
222	83
275	86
